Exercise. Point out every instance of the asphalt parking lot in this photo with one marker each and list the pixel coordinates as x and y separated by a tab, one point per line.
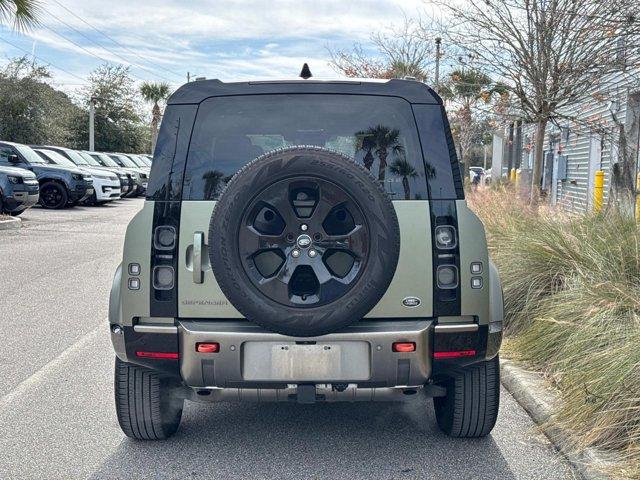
56	408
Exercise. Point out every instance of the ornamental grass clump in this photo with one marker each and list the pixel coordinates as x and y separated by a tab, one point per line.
572	310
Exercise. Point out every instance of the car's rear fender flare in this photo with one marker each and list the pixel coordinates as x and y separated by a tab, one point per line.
496	312
115	315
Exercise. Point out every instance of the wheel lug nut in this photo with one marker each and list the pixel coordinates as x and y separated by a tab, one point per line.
312	253
304	227
295	253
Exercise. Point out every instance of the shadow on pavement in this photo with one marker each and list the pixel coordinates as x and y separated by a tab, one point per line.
383	440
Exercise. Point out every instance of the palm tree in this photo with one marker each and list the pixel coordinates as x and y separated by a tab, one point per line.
366	144
384	140
154	93
22	13
404	169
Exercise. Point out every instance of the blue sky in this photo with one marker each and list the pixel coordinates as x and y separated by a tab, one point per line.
162	40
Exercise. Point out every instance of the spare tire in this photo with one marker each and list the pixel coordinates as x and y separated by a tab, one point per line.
304	241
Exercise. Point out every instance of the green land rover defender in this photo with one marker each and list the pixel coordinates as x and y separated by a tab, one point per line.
305	241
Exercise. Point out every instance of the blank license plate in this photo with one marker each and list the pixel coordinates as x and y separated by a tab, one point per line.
283	361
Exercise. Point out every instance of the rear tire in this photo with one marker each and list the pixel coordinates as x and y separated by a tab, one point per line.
146	407
470	408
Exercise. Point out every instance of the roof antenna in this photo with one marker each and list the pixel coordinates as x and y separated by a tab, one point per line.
305	73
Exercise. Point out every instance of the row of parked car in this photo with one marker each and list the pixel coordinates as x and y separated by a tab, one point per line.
59	177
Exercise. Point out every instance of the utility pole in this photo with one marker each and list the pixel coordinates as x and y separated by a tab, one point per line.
92	115
188	77
437	79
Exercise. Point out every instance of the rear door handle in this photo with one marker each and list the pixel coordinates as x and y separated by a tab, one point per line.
198	241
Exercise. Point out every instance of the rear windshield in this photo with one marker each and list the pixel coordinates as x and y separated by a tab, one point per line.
378	132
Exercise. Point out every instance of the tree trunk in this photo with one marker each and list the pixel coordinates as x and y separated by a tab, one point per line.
368	160
407	188
536	176
382	170
155	120
622	185
622	195
465	138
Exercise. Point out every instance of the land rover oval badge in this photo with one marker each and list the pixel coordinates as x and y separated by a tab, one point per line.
411	302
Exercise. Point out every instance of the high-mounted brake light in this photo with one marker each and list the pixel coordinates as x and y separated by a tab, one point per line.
404	347
457	354
159	355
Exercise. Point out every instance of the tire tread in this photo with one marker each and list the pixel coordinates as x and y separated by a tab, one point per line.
139	408
470	408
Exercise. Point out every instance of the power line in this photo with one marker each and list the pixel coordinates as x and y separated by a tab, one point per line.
84	81
116	42
88	52
105	48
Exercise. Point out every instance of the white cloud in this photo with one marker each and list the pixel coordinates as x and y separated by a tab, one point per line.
215	38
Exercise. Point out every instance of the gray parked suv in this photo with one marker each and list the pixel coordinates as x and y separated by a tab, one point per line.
304	242
60	186
19	190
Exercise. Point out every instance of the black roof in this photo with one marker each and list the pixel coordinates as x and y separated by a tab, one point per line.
410	90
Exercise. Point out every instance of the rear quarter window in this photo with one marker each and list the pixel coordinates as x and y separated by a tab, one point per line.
379	132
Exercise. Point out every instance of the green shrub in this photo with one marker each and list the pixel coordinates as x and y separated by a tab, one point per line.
572	310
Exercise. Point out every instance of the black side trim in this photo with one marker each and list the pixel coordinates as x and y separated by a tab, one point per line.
165	181
458	181
164	303
445	302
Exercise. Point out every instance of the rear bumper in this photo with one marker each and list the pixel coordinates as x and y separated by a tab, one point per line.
228	368
368	359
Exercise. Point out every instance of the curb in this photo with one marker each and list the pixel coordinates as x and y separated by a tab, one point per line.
10	223
534	395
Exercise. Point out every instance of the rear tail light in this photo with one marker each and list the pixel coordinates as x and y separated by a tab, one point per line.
163	278
447	277
456	354
159	355
164	238
404	347
446	237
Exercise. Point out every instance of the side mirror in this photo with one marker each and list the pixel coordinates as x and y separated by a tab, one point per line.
13	159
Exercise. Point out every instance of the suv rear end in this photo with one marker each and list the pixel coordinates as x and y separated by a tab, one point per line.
428	320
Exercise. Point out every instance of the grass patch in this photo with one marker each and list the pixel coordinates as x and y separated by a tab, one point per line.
572	311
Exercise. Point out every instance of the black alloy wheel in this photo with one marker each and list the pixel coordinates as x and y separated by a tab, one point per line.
303	241
53	196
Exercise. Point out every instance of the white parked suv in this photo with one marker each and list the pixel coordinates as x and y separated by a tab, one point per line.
106	185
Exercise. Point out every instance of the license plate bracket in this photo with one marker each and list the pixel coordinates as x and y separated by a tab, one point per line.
295	362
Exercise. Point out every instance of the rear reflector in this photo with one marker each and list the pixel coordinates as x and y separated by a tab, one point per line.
404	347
458	354
207	347
159	355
